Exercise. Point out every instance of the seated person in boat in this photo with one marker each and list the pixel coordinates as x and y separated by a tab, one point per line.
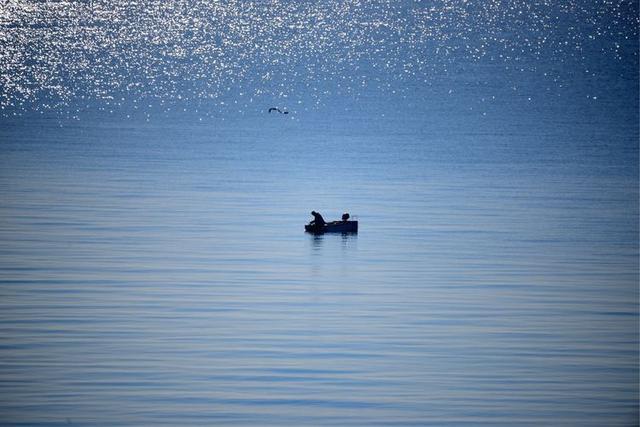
318	221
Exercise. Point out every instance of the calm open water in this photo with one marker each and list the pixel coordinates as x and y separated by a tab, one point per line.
153	264
158	274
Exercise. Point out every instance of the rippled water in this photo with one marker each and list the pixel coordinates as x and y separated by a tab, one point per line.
153	264
210	57
159	274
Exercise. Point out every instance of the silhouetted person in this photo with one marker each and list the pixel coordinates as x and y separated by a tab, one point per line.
318	221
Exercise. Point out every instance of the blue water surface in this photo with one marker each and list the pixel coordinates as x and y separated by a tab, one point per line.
154	268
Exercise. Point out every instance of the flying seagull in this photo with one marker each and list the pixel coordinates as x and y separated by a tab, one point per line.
278	110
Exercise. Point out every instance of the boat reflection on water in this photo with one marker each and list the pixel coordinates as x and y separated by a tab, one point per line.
318	240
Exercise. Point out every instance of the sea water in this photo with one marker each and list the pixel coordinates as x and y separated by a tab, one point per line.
154	268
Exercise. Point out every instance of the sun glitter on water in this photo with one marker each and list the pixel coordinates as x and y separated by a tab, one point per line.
210	55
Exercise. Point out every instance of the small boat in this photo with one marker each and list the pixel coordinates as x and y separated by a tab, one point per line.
333	227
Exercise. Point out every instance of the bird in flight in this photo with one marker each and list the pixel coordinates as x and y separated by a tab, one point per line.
278	110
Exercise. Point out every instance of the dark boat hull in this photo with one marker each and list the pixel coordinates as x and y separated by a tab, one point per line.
334	227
